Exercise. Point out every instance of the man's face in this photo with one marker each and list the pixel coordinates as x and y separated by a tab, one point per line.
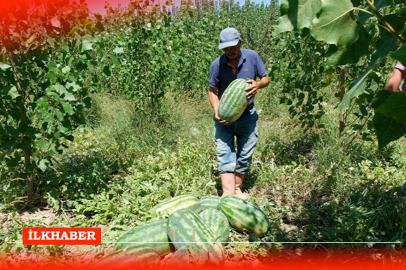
233	52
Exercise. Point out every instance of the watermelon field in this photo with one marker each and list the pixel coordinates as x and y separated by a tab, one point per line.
105	116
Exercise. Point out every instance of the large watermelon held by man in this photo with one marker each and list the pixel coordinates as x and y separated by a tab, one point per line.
234	101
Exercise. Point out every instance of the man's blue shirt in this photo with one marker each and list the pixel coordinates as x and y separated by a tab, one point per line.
250	66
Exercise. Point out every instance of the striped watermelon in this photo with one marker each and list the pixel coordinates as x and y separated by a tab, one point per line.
152	234
167	207
243	215
209	201
187	230
189	256
234	101
130	258
181	257
218	224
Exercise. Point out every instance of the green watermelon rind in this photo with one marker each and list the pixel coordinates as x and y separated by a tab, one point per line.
168	207
152	234
209	201
187	230
217	223
243	215
133	256
234	101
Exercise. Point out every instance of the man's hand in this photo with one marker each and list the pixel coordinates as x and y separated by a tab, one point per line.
223	122
253	89
255	86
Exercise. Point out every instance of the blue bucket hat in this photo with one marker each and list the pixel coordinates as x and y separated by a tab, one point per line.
229	37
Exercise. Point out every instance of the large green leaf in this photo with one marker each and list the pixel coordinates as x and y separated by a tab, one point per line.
383	3
43	164
58	88
297	14
42	143
4	66
118	50
378	4
69	96
387	129
384	46
400	54
349	54
87	45
65	69
12	92
356	3
336	23
72	86
397	21
395	107
388	106
107	70
380	98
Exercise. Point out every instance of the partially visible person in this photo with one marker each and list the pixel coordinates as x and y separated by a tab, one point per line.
395	79
234	161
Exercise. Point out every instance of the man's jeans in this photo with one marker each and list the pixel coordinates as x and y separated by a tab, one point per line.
244	130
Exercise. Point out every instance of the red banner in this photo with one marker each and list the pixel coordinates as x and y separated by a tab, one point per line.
61	236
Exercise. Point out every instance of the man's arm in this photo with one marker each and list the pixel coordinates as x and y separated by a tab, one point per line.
395	79
214	99
255	86
214	102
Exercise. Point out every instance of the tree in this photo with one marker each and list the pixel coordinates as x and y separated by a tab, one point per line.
351	29
43	47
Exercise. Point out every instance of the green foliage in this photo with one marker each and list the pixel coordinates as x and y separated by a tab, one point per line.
335	23
299	70
360	35
138	60
48	110
43	95
157	52
297	15
384	46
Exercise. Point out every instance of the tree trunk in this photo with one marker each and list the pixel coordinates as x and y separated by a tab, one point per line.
27	158
342	93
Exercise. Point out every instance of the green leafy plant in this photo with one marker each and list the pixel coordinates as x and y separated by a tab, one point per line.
43	49
356	32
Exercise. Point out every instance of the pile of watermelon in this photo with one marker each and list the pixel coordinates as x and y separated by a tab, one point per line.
192	230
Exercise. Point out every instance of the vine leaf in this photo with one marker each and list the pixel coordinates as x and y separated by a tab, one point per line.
336	23
384	46
297	14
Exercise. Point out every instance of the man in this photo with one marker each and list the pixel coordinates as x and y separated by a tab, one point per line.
235	63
